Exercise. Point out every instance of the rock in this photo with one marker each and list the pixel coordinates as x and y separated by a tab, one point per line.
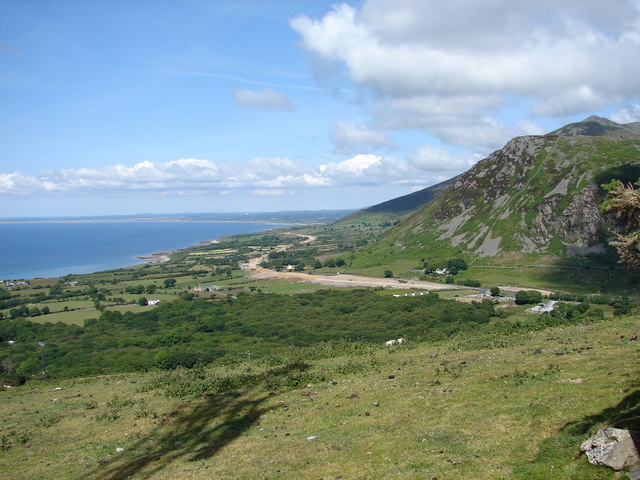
613	447
634	473
119	449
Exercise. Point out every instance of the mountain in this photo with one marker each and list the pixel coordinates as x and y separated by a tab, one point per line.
397	208
536	195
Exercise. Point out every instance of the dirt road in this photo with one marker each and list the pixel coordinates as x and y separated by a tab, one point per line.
342	280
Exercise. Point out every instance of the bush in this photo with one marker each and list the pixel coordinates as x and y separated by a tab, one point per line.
524	297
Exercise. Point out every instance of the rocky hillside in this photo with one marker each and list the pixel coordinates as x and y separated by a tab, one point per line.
538	194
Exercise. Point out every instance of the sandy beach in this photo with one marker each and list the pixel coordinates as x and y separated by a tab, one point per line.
159	257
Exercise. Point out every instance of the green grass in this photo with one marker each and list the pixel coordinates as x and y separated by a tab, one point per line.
487	406
73	317
398	267
77	317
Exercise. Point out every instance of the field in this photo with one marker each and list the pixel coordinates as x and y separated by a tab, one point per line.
475	406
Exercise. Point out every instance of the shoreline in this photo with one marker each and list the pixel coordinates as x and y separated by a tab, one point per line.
157	257
151	220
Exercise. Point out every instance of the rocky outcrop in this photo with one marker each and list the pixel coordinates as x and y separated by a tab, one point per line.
613	447
537	194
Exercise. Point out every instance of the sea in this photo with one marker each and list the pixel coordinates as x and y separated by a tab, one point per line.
54	249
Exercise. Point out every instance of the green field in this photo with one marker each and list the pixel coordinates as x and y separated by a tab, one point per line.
492	407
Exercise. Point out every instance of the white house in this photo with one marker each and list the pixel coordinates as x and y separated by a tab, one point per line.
153	301
544	307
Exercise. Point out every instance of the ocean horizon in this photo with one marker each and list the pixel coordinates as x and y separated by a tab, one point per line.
57	248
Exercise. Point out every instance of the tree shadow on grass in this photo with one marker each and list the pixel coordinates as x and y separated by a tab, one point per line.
198	431
196	434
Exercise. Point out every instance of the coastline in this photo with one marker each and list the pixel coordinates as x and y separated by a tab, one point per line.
148	220
52	248
158	257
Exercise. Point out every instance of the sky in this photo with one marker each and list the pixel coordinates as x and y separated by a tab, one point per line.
172	106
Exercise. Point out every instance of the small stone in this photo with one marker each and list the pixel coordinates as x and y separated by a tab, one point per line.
119	449
391	377
312	437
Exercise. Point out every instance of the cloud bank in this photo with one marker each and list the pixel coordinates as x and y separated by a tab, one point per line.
261	176
451	68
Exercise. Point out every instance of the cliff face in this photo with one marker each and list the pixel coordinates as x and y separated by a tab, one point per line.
538	194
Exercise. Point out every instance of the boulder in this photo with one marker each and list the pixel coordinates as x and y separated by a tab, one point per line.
613	447
634	473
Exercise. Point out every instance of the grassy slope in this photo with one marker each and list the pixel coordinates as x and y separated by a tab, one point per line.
492	407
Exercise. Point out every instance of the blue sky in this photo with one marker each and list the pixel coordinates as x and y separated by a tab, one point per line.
125	107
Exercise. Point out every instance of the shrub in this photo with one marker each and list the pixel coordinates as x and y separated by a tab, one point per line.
524	297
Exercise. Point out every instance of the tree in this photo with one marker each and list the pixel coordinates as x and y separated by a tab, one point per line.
388	274
169	282
624	203
524	297
456	264
495	291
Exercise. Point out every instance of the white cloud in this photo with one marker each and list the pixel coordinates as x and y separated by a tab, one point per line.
356	165
433	159
188	176
275	192
578	100
451	68
628	114
266	99
346	135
